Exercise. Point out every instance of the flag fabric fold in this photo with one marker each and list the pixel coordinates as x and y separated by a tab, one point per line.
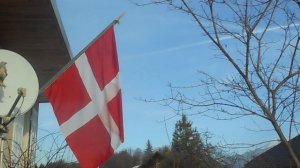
86	99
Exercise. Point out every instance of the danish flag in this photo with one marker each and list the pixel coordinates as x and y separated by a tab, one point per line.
86	99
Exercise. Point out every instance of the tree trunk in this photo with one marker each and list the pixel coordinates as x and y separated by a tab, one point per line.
287	144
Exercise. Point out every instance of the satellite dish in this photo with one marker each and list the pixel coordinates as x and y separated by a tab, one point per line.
20	74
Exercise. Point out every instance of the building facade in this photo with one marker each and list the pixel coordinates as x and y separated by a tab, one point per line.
18	145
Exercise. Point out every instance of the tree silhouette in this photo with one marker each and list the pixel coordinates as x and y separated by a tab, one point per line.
148	151
187	146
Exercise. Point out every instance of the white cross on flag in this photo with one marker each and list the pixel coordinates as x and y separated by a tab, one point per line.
86	99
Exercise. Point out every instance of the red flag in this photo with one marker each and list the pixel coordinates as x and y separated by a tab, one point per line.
86	99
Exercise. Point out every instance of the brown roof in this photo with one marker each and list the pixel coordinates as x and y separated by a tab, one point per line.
30	28
276	157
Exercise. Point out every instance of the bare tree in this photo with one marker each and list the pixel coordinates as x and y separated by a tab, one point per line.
50	148
264	53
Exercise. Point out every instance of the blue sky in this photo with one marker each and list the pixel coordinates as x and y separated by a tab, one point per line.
156	46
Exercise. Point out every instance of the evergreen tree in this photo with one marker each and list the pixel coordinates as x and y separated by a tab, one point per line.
187	146
148	151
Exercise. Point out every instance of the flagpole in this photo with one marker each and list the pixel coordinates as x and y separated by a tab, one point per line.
63	69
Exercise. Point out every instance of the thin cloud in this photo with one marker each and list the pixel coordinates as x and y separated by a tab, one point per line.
275	28
181	47
186	46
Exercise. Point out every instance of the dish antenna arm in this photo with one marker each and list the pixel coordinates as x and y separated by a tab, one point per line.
4	124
